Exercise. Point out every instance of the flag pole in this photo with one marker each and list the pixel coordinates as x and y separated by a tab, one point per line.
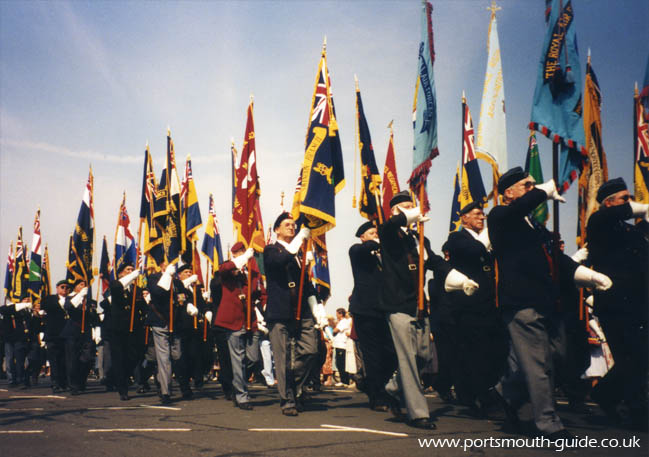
137	257
420	227
305	247
194	286
249	296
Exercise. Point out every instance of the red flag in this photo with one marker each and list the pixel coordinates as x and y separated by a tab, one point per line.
390	180
246	216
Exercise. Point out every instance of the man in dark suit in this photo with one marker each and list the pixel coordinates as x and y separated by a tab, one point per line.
232	317
283	269
123	343
528	294
621	251
77	333
374	338
410	329
54	318
220	338
481	341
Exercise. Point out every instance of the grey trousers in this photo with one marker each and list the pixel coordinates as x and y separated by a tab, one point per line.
241	345
167	348
295	350
411	341
529	371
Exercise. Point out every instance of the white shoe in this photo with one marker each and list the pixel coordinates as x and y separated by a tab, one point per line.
339	384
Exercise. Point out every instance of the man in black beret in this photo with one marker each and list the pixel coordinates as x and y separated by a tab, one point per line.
398	298
282	264
480	347
528	295
379	357
621	251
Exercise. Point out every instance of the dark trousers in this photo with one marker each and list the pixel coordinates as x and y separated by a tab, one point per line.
379	358
194	350
123	353
225	362
340	365
56	356
627	380
15	355
446	343
481	357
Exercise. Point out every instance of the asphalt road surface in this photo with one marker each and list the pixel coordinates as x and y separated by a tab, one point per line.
337	422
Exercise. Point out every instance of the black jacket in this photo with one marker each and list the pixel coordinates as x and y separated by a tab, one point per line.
525	278
119	317
367	271
283	284
620	251
469	256
54	318
399	285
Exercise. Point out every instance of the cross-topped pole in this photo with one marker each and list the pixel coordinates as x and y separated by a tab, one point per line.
493	8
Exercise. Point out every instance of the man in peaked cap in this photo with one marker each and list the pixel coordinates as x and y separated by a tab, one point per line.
621	251
398	298
283	270
528	295
481	344
371	327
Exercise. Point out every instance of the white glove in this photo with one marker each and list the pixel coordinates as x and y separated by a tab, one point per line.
640	209
23	305
413	215
192	310
590	301
303	234
208	316
551	190
242	260
165	280
586	277
41	337
206	295
459	281
96	334
321	316
261	323
147	298
309	257
189	281
129	278
581	255
78	298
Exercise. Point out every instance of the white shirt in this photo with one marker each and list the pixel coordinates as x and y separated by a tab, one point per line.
340	338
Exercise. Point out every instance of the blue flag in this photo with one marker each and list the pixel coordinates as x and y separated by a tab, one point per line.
370	177
557	106
455	203
79	264
124	241
212	240
323	175
425	107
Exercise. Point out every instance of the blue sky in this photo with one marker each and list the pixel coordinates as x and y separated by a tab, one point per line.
89	83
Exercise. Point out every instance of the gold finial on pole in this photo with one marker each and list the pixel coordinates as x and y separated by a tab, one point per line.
493	8
635	90
252	98
356	82
281	201
463	97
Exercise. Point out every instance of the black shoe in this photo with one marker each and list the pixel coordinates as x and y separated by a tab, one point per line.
423	423
228	396
299	404
110	388
24	387
144	388
124	397
74	392
165	399
245	406
290	412
395	409
187	395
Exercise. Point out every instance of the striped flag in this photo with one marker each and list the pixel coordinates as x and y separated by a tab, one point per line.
211	248
20	278
641	156
35	279
191	214
125	252
471	186
79	265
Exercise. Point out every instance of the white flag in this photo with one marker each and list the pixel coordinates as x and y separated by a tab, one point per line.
491	143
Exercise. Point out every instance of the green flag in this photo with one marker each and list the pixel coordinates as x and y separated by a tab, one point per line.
533	167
